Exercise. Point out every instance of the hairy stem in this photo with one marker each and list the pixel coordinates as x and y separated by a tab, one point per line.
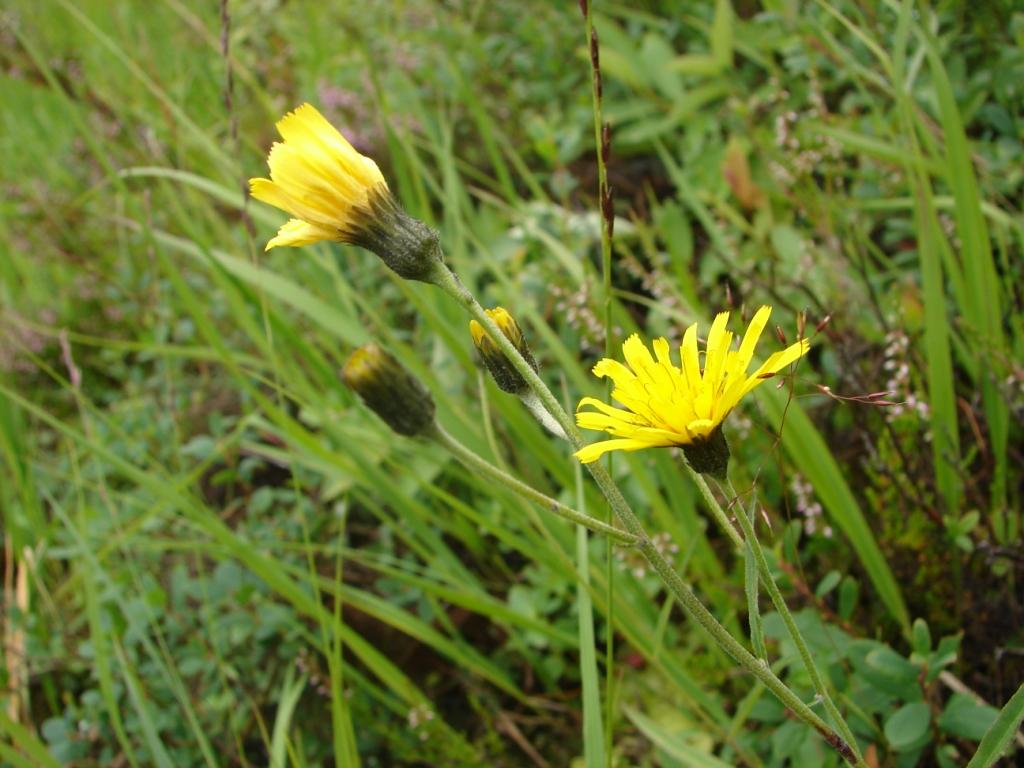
754	546
447	281
714	507
483	467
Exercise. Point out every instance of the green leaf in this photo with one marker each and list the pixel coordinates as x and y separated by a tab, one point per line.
273	285
983	309
786	740
674	743
966	718
722	35
947	756
27	741
921	638
593	729
999	735
969	521
788	245
827	584
885	670
908	726
941	389
849	591
891	664
291	690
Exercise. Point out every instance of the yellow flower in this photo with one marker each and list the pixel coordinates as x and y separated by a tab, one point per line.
335	193
500	367
667	405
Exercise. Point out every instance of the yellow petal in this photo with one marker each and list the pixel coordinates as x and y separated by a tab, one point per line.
305	191
317	176
734	373
718	345
296	232
637	400
690	358
663	352
750	339
610	410
729	400
594	451
776	363
305	123
665	405
614	370
654	436
267	191
638	357
307	127
606	423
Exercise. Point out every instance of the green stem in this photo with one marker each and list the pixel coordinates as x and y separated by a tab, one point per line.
758	668
754	546
715	508
488	470
447	281
750	578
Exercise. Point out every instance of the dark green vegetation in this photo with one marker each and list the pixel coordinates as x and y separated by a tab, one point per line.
214	556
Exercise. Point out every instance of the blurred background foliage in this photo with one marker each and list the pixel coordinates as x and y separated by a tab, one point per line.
213	556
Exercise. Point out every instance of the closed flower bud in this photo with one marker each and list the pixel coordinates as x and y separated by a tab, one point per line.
337	194
497	363
389	390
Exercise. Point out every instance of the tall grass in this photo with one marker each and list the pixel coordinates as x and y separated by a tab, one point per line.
207	505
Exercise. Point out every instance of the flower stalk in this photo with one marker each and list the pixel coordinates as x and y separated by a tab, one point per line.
447	281
817	681
478	464
715	508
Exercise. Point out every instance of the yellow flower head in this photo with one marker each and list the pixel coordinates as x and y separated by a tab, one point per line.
500	367
335	193
682	405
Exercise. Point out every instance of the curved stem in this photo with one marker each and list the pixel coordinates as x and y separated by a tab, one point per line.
447	281
754	546
488	470
758	668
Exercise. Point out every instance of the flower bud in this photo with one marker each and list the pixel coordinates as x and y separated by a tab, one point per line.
497	363
407	245
389	390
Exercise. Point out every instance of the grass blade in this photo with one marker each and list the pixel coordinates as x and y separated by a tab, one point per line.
291	691
999	734
984	308
593	731
815	461
23	739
